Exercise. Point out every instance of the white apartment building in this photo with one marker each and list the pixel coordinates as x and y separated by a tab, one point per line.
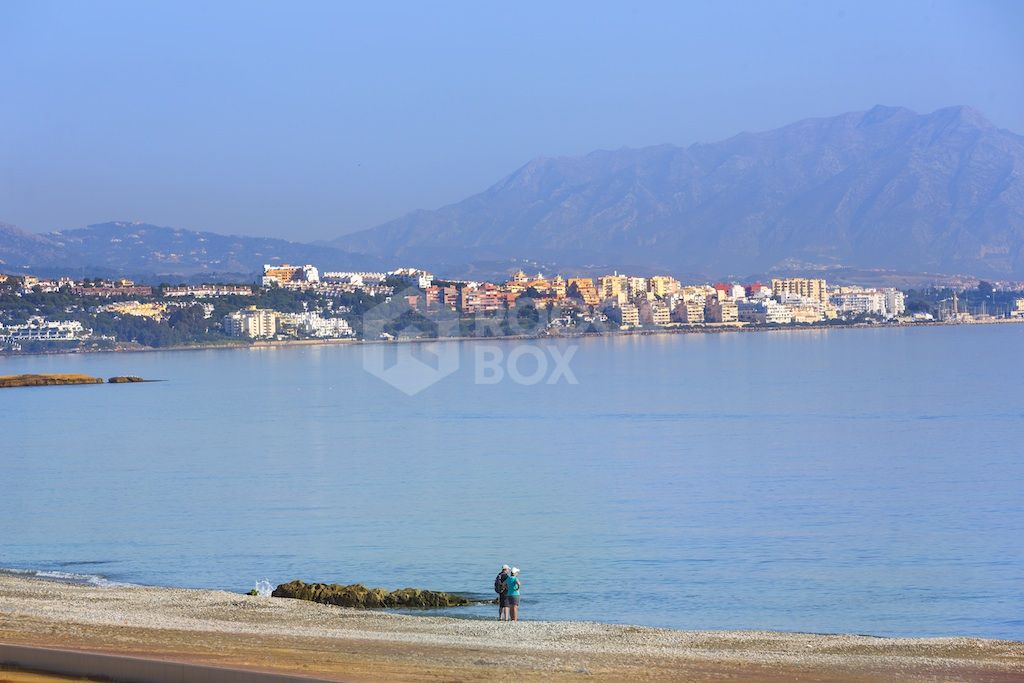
414	277
764	312
888	303
40	329
358	279
311	324
251	323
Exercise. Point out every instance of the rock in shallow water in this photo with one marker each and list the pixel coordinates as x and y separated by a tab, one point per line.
358	595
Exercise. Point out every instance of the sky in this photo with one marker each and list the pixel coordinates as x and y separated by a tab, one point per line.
308	120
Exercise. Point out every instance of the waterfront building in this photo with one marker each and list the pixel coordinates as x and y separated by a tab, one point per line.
39	329
583	288
764	312
484	298
660	313
1018	309
854	301
630	314
811	288
251	323
312	324
721	311
689	312
895	302
808	312
442	297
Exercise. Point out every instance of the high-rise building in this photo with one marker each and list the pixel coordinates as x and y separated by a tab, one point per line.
252	323
636	287
613	287
811	288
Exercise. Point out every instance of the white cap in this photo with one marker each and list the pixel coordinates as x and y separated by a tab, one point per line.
504	566
515	570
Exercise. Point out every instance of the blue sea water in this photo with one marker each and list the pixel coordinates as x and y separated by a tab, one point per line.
864	481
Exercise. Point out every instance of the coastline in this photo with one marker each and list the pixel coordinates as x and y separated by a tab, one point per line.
332	643
722	329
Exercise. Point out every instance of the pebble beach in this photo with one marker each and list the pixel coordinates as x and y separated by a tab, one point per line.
333	643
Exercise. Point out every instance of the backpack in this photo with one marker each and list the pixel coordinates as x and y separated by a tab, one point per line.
499	583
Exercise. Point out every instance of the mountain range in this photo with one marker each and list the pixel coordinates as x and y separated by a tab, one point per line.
151	252
886	188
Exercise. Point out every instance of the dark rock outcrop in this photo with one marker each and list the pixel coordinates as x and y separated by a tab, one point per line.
125	379
359	596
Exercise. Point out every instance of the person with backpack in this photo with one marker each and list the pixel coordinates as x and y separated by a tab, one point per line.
499	588
512	587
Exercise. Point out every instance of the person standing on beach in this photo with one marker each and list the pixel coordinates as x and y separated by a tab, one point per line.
500	589
512	587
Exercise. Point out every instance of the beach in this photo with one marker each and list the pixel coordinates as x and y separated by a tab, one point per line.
331	643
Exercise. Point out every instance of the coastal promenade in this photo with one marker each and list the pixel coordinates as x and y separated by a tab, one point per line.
221	629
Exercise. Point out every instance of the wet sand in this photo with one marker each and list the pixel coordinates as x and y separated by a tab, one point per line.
271	634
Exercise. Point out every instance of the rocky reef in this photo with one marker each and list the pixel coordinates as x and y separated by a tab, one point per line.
45	380
359	596
125	379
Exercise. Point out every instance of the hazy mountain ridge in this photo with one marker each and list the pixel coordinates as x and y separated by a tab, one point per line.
941	192
140	248
883	189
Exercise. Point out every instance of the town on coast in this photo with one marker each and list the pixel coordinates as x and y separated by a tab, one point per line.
301	304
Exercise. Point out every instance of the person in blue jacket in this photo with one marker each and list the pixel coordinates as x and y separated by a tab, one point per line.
512	588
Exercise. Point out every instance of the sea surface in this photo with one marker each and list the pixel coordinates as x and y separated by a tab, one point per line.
865	480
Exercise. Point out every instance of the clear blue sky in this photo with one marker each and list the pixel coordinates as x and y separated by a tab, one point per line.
307	120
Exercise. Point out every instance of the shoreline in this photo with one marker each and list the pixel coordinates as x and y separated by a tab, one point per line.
292	636
718	329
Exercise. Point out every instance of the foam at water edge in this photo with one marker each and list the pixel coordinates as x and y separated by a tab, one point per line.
68	577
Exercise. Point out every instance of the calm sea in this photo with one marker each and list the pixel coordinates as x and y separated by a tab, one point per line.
863	481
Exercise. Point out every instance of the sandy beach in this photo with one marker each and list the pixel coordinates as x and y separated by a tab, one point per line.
272	634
